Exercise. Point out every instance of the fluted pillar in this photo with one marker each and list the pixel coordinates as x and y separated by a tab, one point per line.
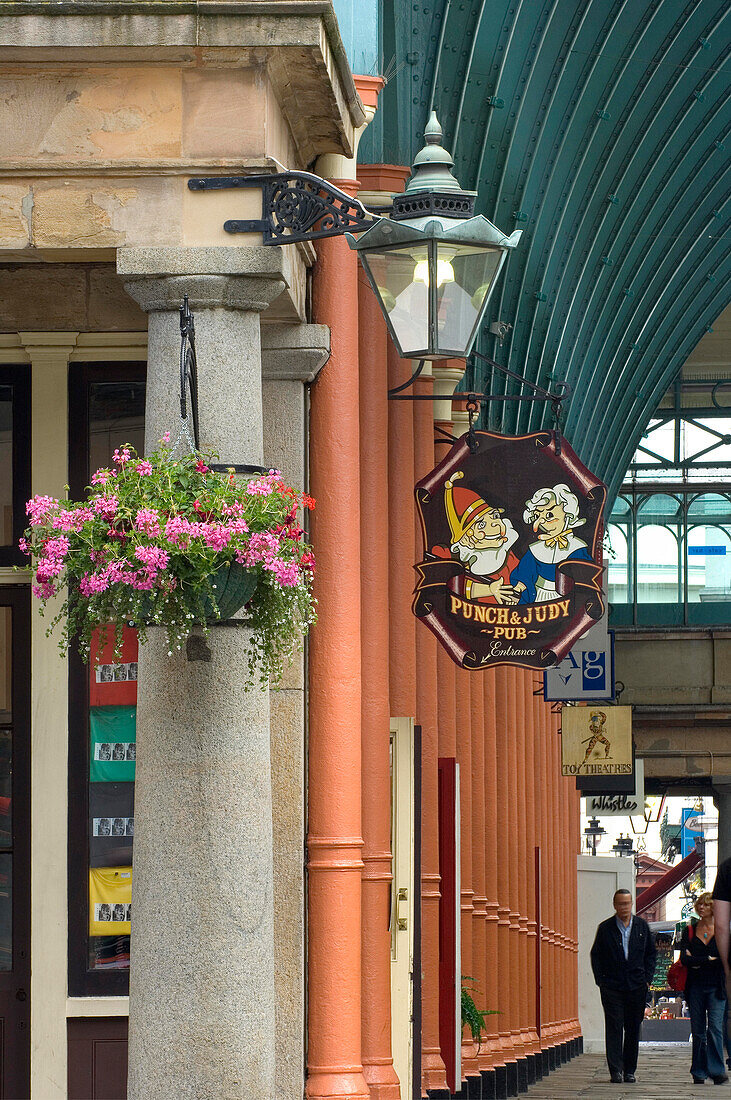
433	1071
334	839
378	1066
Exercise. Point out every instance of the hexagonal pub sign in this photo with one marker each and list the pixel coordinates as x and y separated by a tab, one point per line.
512	567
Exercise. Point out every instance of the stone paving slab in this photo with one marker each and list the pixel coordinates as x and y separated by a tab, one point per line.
663	1073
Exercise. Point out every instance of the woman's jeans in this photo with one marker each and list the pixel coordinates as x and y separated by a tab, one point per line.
706	1025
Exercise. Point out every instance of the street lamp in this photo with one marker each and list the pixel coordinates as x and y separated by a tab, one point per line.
592	832
432	265
624	845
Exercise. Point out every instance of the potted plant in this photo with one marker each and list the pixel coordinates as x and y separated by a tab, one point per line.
168	541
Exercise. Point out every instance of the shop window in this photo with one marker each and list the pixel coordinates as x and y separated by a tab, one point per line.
14	460
106	409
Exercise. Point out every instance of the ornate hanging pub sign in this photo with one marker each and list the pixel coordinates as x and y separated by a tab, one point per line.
512	530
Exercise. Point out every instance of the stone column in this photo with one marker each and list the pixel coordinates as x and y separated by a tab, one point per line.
291	355
722	802
202	1018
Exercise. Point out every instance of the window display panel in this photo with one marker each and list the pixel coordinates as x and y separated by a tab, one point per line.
112	754
106	410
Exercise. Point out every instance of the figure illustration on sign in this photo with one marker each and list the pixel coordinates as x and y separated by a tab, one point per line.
597	720
553	514
482	537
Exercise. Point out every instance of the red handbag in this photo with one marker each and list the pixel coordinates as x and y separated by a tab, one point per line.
678	972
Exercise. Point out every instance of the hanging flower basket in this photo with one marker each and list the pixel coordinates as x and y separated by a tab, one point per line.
170	542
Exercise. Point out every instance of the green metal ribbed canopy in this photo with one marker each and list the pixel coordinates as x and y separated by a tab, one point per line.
600	128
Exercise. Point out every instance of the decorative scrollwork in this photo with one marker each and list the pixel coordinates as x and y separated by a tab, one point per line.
296	206
299	206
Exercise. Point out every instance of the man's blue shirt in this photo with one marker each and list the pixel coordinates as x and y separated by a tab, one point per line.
624	933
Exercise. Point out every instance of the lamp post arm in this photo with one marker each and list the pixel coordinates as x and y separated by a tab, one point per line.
296	206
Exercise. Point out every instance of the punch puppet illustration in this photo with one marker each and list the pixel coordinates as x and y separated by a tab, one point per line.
482	539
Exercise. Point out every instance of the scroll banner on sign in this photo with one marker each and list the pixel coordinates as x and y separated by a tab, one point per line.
511	573
113	747
620	805
110	901
596	741
587	670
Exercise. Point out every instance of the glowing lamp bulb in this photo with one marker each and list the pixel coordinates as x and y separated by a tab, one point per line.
445	272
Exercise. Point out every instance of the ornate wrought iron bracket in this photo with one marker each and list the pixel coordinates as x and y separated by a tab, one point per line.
475	401
295	206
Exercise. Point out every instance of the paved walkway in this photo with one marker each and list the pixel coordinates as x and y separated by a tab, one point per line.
663	1073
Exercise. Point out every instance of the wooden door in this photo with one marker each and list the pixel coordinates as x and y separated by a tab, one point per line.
14	842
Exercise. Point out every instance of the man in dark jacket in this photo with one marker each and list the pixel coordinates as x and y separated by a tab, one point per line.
623	961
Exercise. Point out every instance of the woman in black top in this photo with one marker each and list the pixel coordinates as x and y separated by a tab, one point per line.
705	993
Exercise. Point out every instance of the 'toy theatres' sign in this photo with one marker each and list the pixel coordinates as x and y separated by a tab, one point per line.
512	569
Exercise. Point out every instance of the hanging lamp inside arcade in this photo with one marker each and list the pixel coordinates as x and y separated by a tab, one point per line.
433	264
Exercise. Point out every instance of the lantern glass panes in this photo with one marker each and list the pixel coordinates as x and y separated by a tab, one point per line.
404	298
464	276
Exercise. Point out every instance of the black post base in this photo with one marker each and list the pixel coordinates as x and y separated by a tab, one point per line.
474	1086
501	1082
488	1084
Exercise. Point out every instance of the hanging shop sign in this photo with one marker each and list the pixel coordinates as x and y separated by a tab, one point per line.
512	529
587	670
596	741
620	805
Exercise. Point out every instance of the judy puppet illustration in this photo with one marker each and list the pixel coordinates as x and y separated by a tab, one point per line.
553	514
482	538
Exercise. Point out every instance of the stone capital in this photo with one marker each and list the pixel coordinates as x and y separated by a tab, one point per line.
293	353
246	278
49	347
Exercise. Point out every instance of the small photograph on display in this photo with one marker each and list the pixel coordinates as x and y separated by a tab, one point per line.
132	670
109	952
103	751
120	672
104	674
113	826
131	753
103	911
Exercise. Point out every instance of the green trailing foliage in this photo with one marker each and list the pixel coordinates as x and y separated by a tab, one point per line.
472	1016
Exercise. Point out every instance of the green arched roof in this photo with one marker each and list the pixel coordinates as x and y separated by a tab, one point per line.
601	128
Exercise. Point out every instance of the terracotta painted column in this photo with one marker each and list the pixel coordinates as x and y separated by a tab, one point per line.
522	796
514	868
464	756
534	769
545	733
334	839
433	1071
492	904
506	972
479	897
375	709
527	679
